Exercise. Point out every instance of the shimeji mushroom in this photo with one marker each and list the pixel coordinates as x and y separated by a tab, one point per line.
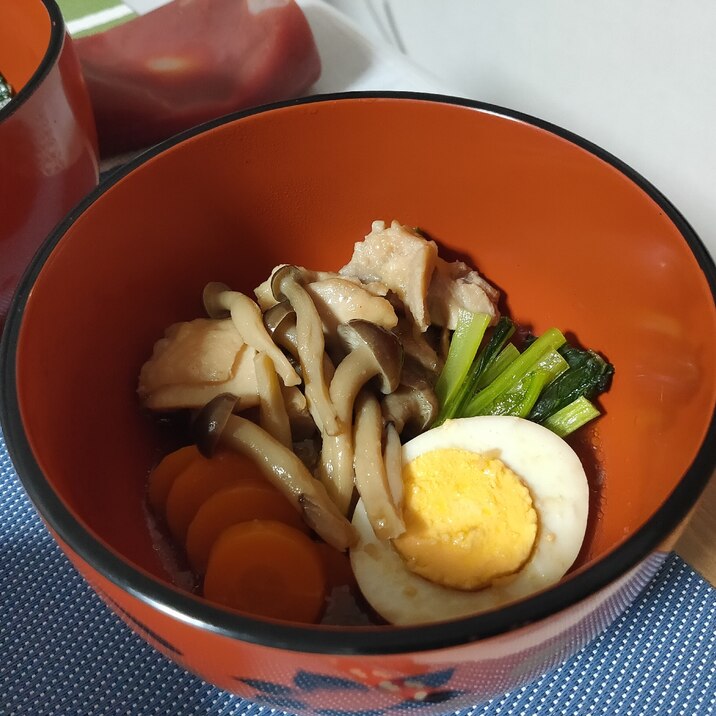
287	284
340	300
220	302
371	478
280	322
215	423
273	415
393	459
416	345
373	352
299	417
411	407
335	467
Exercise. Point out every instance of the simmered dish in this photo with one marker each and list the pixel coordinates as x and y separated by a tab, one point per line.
378	436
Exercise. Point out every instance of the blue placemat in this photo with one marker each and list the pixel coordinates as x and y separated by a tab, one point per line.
63	653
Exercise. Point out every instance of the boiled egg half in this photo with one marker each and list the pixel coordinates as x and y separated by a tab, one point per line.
495	509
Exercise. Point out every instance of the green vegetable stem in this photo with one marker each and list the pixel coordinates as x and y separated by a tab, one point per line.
551	382
508	354
487	358
520	398
493	396
464	343
572	416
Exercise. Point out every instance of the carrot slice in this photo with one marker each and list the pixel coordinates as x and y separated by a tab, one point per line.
239	503
163	475
199	481
267	569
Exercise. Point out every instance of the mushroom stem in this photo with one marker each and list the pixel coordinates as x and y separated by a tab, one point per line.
370	474
393	459
352	373
247	317
335	469
280	322
273	415
299	418
374	351
283	469
311	345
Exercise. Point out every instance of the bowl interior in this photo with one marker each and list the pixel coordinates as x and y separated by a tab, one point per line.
570	239
25	33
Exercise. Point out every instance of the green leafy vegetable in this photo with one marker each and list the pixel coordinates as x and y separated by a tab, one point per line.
519	397
551	382
588	375
489	398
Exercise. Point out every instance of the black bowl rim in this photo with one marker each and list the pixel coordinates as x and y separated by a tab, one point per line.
317	639
54	49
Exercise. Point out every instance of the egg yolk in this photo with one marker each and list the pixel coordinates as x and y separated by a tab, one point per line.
469	519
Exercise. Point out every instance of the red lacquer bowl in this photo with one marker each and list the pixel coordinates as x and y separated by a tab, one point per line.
48	143
575	239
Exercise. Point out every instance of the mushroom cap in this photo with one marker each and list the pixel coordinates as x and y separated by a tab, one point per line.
213	304
414	402
414	406
416	375
284	273
382	344
279	317
210	422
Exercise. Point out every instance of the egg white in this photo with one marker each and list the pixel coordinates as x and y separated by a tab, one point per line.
560	494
